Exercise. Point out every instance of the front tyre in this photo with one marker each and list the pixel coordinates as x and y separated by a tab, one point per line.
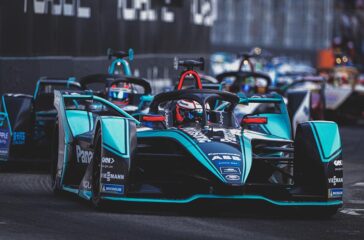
96	199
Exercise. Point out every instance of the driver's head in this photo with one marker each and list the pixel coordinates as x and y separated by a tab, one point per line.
120	94
188	111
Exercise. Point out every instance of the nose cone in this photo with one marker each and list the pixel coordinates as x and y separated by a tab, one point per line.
228	160
226	151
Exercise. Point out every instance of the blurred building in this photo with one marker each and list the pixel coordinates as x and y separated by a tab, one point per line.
282	26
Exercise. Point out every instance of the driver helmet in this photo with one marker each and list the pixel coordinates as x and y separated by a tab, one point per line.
120	95
188	111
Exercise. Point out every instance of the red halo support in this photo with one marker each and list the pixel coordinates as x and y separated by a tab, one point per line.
195	76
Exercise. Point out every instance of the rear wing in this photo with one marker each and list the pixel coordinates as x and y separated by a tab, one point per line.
270	98
312	79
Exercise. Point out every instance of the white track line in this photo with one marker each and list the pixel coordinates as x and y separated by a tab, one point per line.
352	211
356	201
358	184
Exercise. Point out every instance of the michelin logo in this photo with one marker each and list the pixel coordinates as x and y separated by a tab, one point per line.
113	188
335	192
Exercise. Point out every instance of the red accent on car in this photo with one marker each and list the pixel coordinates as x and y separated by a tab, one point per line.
254	120
185	74
156	118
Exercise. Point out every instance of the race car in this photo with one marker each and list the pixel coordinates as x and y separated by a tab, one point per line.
132	94
26	122
189	147
304	97
304	94
344	95
120	66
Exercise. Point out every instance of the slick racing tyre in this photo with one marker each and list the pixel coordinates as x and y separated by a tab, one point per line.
96	200
54	160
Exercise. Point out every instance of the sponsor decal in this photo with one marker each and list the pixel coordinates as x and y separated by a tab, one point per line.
232	177
107	160
227	163
4	142
335	192
229	137
108	176
113	188
338	163
83	156
230	170
3	152
86	185
197	135
19	138
334	180
224	156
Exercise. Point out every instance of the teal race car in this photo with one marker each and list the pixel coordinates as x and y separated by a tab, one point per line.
190	147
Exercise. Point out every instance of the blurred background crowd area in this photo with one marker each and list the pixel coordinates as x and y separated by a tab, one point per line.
70	37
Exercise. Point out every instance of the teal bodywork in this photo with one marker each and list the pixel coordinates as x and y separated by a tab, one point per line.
278	124
327	137
115	141
5	116
222	197
189	145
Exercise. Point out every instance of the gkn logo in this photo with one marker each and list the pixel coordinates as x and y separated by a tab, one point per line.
107	160
83	156
338	163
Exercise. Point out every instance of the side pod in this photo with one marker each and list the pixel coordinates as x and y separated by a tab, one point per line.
318	165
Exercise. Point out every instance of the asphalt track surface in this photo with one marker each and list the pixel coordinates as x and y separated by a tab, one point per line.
29	210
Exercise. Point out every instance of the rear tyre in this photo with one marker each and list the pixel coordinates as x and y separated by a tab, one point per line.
54	161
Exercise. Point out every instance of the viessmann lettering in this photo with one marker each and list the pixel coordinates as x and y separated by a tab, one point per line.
108	176
335	180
